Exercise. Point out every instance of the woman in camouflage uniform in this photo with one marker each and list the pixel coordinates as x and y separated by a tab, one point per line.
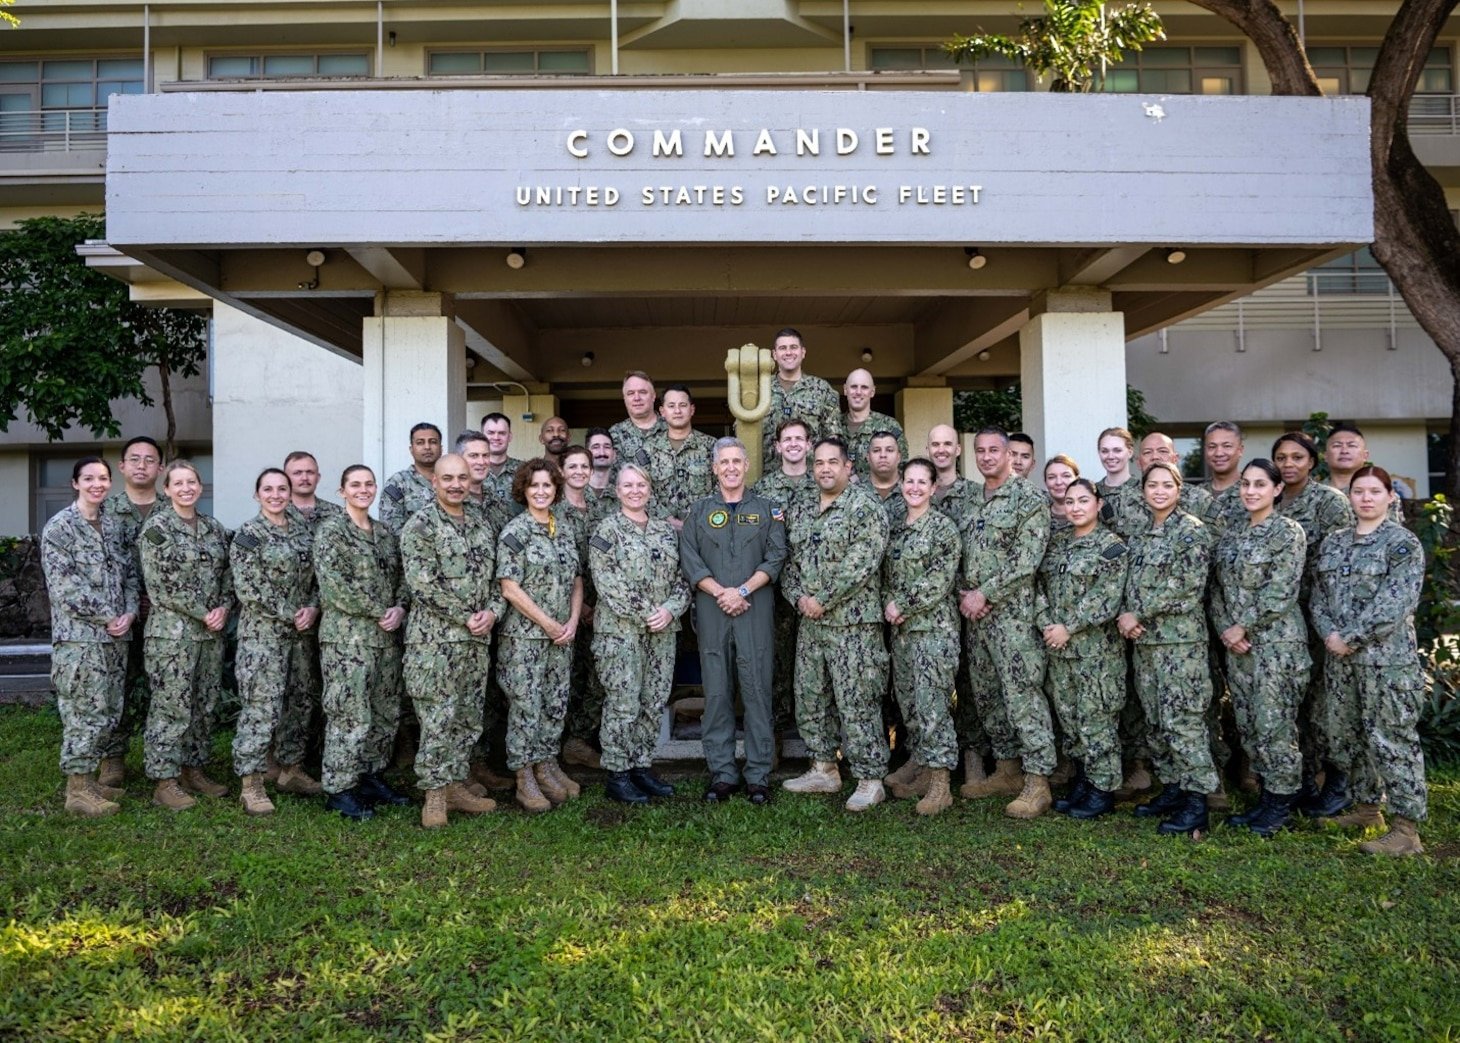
185	566
1367	590
1080	586
273	574
362	596
634	561
93	587
1254	609
919	572
1059	472
582	510
539	573
1167	628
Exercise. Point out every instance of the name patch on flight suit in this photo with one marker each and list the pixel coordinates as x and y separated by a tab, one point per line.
747	519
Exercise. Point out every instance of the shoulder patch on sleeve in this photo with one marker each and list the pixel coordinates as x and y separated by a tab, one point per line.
601	543
778	514
155	536
513	542
246	541
395	492
1113	551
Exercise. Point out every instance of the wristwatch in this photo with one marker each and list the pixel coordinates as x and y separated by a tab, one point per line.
743	591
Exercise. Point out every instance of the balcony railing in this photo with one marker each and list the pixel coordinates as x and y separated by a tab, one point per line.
53	130
1434	114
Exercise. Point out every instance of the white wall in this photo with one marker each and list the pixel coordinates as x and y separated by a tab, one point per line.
273	394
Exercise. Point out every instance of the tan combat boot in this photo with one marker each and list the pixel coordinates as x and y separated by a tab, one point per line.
548	785
1364	816
83	799
973	771
1006	781
576	751
1064	772
487	777
271	769
821	777
104	792
903	775
907	785
294	779
195	780
171	796
1402	839
562	778
111	772
433	811
476	789
1033	800
253	798
938	798
528	795
867	793
1137	780
1217	799
459	799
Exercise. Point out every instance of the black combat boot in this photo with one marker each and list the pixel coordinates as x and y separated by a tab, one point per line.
349	805
1188	817
646	780
1168	800
374	789
1278	815
1247	816
1077	792
1333	799
1095	803
619	788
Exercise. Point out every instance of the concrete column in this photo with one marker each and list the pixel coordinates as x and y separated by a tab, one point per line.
415	370
1072	371
922	408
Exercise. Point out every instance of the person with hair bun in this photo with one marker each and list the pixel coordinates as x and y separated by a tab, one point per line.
1059	471
91	578
1164	621
273	573
1368	585
1081	584
185	565
1254	609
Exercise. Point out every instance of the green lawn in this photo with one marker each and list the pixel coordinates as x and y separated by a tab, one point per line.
682	921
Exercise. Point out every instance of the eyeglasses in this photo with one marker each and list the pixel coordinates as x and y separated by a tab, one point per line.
140	460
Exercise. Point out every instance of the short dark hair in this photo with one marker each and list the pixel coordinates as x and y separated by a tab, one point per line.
789	331
497	416
992	430
142	440
1345	427
425	426
794	421
1300	439
299	454
678	387
85	462
594	432
1267	467
466	437
1223	425
921	461
1020	436
833	440
524	475
883	434
1094	489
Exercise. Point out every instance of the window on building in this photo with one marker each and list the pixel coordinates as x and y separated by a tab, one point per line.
292	66
70	93
1358	272
1346	70
1438	444
994	73
508	63
1178	70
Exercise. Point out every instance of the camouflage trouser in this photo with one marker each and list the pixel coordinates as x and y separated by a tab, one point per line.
841	673
535	674
89	678
967	721
1175	687
1312	737
783	678
185	677
1006	673
585	698
736	656
1088	694
447	683
1267	684
135	699
277	694
1372	726
362	706
924	663
1136	742
637	672
1221	729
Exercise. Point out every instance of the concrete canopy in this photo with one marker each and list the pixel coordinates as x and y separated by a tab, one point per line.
700	248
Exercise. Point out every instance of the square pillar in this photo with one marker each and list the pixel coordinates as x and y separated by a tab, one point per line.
1072	372
920	409
415	370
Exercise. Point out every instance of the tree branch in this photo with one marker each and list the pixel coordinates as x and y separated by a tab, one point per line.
1277	42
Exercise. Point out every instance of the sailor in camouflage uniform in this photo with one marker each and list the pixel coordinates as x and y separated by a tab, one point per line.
1004	539
679	459
448	560
407	491
1165	622
1080	587
91	580
185	566
643	421
833	577
1320	510
1368	586
861	422
884	480
363	603
540	576
501	468
1254	608
798	394
634	560
273	575
581	511
919	574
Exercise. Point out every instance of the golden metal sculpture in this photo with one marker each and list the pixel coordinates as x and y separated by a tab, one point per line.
749	370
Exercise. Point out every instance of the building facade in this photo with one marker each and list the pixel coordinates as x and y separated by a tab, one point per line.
1334	339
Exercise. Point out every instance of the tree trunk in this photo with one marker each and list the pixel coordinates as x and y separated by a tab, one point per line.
169	443
1276	40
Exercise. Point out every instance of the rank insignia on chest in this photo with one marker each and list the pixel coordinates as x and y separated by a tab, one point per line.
718	519
747	519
